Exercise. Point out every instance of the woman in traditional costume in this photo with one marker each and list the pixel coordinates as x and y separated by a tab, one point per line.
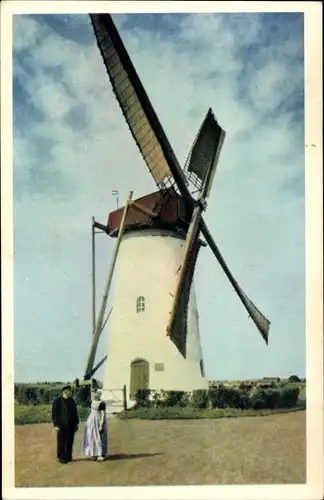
95	437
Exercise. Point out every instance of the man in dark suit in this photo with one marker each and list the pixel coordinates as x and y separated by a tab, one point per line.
66	421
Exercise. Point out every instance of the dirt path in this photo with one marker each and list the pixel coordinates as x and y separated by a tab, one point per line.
221	451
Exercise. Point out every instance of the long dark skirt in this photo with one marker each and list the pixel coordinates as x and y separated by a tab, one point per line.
65	439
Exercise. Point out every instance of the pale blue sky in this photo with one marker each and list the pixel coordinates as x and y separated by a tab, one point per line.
72	147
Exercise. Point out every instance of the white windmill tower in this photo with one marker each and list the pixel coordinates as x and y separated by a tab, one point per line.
154	337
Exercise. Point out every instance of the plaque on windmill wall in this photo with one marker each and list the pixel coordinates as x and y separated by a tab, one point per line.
159	367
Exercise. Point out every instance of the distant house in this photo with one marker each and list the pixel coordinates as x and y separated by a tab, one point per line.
276	380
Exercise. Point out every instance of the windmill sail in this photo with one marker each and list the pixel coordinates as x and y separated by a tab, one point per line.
202	161
185	269
261	322
178	334
135	105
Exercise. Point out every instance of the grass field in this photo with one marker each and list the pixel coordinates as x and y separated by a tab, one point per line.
250	450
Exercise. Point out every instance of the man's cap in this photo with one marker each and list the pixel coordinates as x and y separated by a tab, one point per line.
67	388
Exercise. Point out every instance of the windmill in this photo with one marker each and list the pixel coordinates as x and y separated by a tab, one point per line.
154	339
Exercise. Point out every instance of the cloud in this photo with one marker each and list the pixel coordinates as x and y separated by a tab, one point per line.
26	33
72	147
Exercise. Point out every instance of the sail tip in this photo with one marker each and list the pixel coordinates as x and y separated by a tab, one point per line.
265	337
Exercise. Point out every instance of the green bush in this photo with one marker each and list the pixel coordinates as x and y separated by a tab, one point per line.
200	398
186	400
216	397
274	398
271	398
288	397
176	398
36	394
143	398
228	397
243	402
27	394
257	401
265	398
157	399
294	378
45	393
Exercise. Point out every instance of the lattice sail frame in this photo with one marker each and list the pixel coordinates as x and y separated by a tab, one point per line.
180	330
130	99
201	163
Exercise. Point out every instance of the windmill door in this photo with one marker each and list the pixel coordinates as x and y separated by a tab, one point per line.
139	378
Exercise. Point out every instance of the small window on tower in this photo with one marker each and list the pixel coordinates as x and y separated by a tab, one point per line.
140	304
202	368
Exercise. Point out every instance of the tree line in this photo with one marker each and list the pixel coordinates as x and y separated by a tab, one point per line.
44	393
